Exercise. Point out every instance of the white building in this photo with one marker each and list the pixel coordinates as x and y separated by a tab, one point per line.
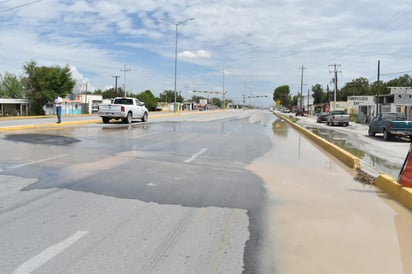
14	107
399	100
76	104
305	103
363	106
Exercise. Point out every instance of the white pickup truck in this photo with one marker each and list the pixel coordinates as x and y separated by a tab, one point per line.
338	117
124	108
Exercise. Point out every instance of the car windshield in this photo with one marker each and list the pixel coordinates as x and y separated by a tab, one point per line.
394	116
123	101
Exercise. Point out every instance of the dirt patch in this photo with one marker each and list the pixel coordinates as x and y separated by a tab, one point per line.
364	177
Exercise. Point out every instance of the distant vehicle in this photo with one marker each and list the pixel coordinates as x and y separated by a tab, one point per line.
301	113
322	117
390	124
126	109
338	117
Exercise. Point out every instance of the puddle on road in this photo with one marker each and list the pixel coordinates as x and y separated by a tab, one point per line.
340	140
43	139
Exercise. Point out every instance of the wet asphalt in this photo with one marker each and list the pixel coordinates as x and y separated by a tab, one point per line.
151	162
250	162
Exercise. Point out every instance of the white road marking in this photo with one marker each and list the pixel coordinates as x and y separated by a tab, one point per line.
194	156
47	254
227	134
38	161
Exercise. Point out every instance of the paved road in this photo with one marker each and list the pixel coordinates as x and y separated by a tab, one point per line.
205	193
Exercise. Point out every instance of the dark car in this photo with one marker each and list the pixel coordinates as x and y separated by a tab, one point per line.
322	117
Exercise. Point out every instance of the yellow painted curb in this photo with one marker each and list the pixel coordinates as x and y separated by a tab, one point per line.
389	185
50	125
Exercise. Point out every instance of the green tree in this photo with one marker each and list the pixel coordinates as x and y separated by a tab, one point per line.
282	94
402	81
11	86
216	102
169	97
358	86
149	99
294	100
196	99
111	93
381	88
42	84
318	94
98	92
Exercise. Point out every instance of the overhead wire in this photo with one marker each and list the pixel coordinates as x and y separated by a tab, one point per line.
366	38
19	6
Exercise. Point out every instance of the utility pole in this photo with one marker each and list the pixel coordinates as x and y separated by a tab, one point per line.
377	91
124	80
335	80
223	90
301	87
87	103
115	83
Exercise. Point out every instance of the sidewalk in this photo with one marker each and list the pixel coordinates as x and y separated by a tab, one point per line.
24	122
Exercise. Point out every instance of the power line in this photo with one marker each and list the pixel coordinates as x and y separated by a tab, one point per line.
394	73
367	37
16	7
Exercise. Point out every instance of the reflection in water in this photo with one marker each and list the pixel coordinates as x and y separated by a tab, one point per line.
339	139
280	128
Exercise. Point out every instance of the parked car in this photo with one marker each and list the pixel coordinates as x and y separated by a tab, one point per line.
338	117
123	108
390	124
301	113
322	117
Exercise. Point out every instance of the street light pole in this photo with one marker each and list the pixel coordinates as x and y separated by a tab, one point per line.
176	25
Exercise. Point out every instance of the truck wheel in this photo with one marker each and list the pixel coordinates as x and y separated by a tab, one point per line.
105	120
144	118
386	135
129	118
371	133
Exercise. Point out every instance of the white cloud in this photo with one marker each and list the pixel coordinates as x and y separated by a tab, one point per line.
194	55
261	42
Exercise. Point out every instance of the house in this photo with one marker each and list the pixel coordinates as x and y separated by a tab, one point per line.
76	104
399	100
14	107
363	106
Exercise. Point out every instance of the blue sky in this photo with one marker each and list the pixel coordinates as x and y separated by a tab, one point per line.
255	46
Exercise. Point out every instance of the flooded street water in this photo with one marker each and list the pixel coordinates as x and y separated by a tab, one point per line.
344	141
250	191
321	219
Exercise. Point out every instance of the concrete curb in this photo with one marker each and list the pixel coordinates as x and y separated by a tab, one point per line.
389	185
384	182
